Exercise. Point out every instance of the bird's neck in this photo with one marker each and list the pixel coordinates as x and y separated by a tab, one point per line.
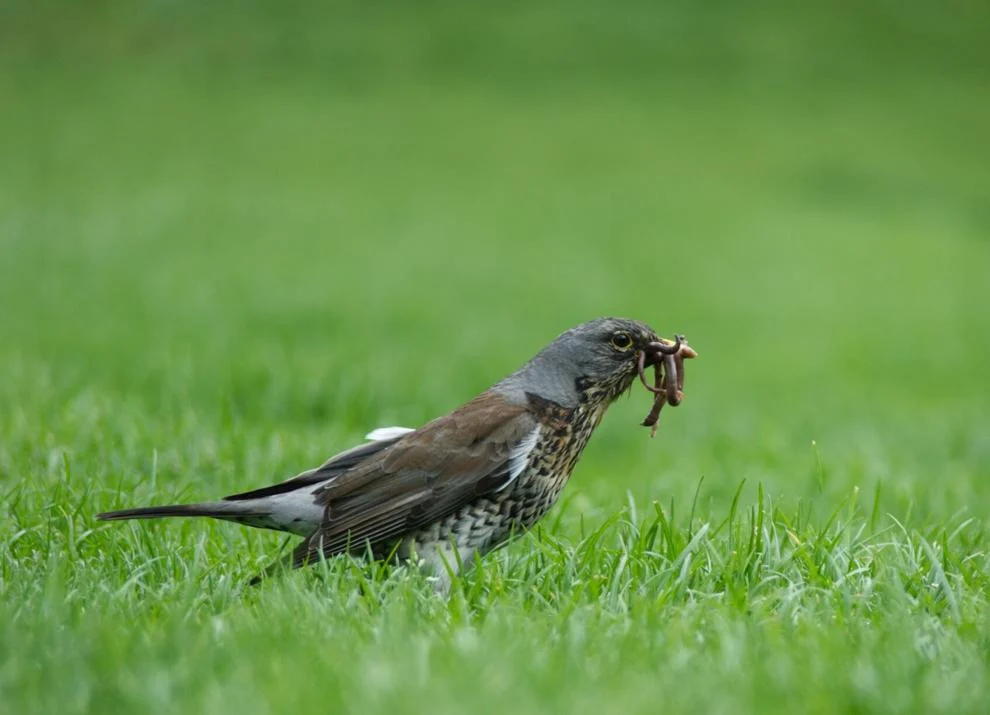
546	377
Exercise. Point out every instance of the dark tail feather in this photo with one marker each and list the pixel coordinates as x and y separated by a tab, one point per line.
212	509
240	512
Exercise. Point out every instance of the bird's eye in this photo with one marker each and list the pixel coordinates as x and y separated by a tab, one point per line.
621	341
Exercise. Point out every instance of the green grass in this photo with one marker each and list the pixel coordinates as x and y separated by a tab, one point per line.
233	242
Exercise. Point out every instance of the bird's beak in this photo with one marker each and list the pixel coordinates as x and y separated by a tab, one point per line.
663	346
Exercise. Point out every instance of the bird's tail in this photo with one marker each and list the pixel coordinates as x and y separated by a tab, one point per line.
243	512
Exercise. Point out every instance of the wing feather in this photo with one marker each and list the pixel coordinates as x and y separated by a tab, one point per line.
446	464
330	469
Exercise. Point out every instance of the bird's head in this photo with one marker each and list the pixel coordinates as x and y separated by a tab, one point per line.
599	360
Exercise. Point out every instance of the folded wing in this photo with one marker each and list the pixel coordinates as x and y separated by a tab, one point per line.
472	452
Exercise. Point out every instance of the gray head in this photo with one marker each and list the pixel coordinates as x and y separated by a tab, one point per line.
600	355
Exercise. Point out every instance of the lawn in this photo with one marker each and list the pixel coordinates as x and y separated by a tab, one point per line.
234	241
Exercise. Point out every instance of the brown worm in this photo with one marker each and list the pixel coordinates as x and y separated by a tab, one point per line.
668	375
659	400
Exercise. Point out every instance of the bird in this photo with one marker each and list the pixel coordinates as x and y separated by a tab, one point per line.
463	484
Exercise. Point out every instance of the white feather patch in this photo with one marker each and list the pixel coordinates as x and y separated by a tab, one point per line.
519	455
295	511
382	433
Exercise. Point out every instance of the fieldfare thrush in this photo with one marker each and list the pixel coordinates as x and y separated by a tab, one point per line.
462	484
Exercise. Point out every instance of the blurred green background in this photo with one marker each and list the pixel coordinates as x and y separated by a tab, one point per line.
349	215
235	237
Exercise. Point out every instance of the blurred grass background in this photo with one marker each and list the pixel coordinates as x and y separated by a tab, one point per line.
233	238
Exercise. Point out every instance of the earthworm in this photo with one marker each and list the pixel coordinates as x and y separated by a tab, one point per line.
668	375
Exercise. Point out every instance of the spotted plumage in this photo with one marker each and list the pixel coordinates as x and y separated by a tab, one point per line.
462	484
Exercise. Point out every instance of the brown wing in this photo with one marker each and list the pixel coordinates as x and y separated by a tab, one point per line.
425	477
332	468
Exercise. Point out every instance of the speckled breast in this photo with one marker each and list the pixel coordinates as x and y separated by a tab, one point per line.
563	436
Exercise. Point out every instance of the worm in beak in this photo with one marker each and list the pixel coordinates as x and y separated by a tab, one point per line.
667	360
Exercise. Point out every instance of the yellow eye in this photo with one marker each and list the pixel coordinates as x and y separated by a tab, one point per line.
621	341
